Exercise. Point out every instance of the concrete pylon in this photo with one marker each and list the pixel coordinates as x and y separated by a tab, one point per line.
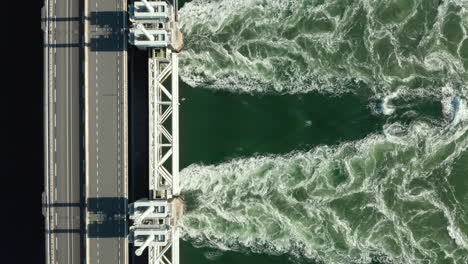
178	38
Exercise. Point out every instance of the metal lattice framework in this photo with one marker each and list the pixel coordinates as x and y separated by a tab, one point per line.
163	124
155	29
164	142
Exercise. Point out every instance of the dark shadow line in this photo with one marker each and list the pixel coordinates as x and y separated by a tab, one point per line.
64	45
61	205
60	19
64	231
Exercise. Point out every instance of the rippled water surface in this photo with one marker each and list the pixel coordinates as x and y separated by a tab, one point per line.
325	131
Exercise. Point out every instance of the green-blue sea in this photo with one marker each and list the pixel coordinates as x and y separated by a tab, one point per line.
324	131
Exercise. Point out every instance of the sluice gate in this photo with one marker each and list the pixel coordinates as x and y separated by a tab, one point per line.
154	28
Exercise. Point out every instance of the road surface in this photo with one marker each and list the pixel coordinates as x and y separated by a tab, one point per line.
106	136
63	199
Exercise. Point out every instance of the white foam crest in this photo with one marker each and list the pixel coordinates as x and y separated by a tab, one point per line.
400	134
455	109
340	204
459	237
459	112
387	107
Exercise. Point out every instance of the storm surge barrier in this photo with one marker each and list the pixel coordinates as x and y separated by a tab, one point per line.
154	28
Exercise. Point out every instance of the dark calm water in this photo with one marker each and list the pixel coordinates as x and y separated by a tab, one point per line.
324	131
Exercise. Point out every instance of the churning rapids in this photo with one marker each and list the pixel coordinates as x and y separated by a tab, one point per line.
298	46
396	196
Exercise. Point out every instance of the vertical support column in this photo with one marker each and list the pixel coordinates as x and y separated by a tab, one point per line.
176	10
152	123
175	124
175	245
175	149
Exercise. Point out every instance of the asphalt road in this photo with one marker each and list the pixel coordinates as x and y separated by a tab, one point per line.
106	136
62	123
93	152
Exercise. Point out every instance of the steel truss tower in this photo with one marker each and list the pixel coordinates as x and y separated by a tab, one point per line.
155	219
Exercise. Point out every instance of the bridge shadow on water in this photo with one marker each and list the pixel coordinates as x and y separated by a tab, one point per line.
107	217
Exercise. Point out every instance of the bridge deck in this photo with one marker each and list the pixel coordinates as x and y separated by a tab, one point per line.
106	158
62	131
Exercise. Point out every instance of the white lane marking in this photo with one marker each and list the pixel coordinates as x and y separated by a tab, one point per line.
97	150
72	74
68	132
119	98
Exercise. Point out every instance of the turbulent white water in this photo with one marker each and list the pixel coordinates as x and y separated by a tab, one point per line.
400	196
332	46
397	197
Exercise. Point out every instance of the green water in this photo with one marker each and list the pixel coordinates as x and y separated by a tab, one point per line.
324	131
